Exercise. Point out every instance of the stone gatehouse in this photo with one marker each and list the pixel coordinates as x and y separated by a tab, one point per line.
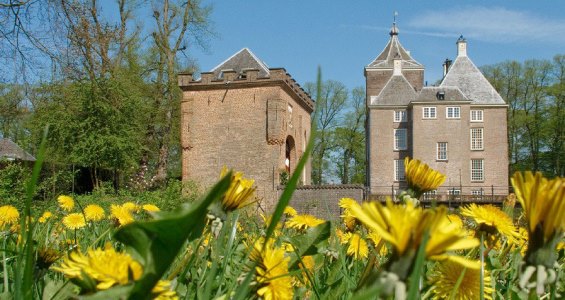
246	116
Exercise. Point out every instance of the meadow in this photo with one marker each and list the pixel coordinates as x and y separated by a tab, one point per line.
215	246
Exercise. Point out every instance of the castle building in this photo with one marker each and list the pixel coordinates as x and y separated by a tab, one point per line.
248	117
458	127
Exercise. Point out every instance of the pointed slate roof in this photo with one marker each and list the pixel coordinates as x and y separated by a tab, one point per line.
397	91
11	151
394	50
465	75
243	59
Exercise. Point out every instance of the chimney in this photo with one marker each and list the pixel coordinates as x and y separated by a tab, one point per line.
461	46
446	65
397	64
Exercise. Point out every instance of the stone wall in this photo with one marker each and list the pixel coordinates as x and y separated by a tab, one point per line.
322	201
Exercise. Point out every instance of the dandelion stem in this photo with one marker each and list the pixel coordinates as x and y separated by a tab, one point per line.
482	254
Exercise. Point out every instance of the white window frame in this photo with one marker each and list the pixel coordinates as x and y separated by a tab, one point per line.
475	113
453	112
477	170
454	192
399	172
400	139
400	116
441	148
429	112
477	192
477	138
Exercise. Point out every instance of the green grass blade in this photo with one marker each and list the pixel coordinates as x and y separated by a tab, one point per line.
414	287
24	289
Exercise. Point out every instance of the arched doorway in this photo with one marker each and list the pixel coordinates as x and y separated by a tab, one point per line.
290	154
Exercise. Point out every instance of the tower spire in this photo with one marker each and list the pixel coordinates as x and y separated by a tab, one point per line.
394	29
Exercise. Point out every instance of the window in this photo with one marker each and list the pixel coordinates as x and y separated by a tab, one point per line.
453	112
400	116
477	170
399	170
400	139
442	151
453	192
476	115
476	139
429	112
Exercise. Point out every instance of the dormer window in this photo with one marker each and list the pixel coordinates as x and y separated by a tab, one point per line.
440	95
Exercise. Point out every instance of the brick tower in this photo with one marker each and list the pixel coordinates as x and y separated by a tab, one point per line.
246	116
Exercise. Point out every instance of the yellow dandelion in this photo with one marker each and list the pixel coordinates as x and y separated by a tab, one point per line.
274	281
132	207
240	193
302	222
45	216
105	267
150	208
403	226
348	219
66	202
444	276
543	204
420	177
121	214
94	212
9	215
74	221
163	291
491	220
357	246
380	247
289	211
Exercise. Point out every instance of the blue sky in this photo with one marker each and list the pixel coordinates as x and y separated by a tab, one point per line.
344	36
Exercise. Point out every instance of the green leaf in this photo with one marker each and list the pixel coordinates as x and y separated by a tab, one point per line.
158	241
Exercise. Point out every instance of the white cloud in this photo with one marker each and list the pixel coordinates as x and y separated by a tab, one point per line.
489	24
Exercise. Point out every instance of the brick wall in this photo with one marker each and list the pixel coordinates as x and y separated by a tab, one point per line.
322	201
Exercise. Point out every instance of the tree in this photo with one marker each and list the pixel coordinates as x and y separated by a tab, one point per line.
177	23
534	93
330	105
349	138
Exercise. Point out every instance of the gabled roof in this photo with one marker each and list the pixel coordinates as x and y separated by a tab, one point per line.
242	60
451	93
11	151
397	91
465	75
394	50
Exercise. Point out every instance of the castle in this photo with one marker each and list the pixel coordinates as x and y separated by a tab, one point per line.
458	127
256	119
